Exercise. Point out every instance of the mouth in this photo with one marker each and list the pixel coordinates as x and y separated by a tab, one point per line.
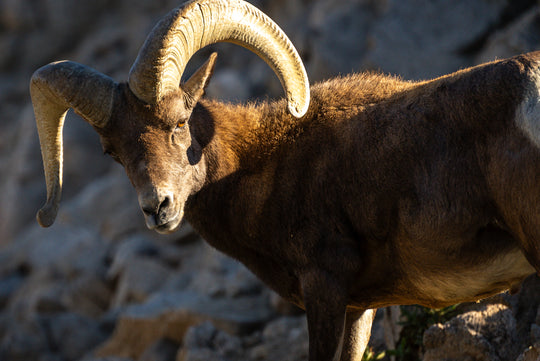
165	226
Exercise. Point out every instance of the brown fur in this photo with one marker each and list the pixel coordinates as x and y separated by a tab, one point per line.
386	192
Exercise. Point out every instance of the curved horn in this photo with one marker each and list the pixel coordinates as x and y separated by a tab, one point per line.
163	57
54	89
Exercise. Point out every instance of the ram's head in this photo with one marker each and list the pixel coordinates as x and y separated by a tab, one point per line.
145	124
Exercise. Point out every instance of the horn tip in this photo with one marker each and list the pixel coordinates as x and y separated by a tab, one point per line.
298	109
46	215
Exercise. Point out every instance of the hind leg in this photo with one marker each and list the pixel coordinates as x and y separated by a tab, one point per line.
517	194
529	237
524	222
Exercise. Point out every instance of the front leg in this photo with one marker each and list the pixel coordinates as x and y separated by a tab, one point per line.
357	333
325	302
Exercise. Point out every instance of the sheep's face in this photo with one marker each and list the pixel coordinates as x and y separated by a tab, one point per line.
161	158
155	144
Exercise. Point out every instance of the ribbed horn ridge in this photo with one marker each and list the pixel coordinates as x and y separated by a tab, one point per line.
54	89
163	57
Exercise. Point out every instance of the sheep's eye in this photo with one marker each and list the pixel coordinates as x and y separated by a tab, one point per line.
180	124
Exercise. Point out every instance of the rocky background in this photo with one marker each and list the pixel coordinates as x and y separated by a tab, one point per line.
99	286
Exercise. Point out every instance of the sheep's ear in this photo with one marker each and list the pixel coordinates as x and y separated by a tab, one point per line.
198	82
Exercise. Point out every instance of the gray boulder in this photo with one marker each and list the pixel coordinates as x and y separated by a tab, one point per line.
170	315
485	334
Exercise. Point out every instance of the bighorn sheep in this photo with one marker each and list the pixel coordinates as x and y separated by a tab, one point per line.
376	192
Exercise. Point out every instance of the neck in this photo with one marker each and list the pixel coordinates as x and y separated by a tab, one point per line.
238	137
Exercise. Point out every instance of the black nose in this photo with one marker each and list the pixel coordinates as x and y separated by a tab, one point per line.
156	206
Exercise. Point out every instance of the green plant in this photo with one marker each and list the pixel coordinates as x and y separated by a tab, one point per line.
415	321
370	355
